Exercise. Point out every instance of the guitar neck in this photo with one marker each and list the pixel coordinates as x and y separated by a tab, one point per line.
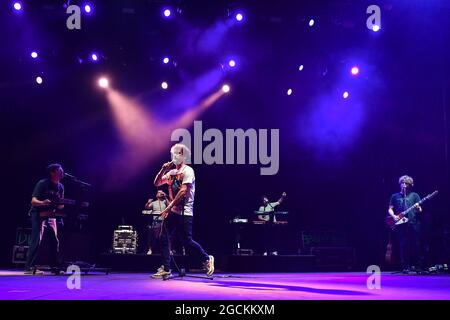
413	206
419	203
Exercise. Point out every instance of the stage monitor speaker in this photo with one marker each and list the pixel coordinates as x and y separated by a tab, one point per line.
310	239
334	258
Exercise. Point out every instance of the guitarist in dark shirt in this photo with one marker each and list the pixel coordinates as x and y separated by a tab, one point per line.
46	194
410	233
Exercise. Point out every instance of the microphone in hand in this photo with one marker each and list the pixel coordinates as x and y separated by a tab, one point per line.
167	165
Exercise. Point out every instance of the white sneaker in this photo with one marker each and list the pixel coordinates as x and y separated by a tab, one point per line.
209	266
161	273
149	252
265	254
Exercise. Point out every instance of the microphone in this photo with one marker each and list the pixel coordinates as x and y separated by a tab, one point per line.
67	175
169	165
75	180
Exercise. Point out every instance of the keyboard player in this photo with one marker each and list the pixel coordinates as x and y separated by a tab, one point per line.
154	208
269	234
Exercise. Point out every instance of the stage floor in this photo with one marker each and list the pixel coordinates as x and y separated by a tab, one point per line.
277	286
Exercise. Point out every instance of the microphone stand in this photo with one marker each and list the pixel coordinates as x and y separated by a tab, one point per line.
182	271
76	180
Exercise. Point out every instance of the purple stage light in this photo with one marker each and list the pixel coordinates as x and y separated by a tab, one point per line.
300	68
311	22
166	60
17	6
345	95
289	92
355	70
239	17
226	88
94	57
167	13
87	8
375	28
39	80
164	85
232	63
34	55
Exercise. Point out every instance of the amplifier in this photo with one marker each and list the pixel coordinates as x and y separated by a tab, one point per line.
125	240
23	236
128	228
244	252
19	255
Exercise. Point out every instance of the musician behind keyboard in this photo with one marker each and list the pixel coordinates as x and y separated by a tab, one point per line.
156	207
47	191
269	236
269	207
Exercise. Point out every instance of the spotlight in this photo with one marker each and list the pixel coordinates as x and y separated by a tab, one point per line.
345	95
239	17
164	85
103	82
88	8
289	92
355	71
17	6
232	63
376	28
167	13
226	88
39	80
300	68
166	60
34	55
311	22
94	57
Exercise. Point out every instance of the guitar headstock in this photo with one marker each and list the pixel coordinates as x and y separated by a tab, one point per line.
431	195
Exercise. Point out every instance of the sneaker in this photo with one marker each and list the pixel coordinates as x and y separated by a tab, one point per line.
265	254
34	272
275	253
209	266
161	273
149	252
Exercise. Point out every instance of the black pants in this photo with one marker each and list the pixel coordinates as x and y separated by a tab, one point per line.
35	242
411	243
272	235
182	225
153	231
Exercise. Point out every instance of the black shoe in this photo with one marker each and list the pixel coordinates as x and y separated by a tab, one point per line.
34	272
57	272
422	272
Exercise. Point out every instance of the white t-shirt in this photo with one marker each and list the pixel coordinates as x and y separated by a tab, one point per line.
175	178
269	208
157	207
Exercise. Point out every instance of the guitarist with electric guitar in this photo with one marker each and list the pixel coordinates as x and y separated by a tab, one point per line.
45	201
406	219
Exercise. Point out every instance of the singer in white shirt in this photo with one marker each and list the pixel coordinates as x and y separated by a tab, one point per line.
178	216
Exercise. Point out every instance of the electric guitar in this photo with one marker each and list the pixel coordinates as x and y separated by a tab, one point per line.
401	217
